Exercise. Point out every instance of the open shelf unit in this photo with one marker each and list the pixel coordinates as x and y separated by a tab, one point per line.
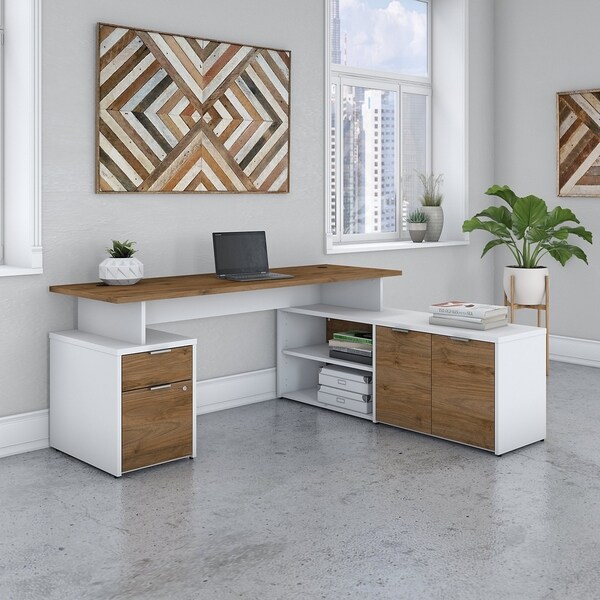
302	350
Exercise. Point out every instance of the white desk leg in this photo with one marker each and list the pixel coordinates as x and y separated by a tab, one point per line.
125	322
366	294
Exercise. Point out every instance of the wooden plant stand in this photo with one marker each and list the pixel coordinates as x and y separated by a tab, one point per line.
539	307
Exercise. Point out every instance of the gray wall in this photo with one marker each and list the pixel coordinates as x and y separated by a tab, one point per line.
544	47
173	231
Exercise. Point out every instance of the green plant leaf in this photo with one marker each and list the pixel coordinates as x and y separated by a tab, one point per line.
580	231
492	227
528	212
491	244
504	192
560	215
563	251
499	214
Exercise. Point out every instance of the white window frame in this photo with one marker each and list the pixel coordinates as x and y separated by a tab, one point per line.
343	75
21	214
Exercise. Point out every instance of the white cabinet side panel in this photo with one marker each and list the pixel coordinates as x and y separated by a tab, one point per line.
85	405
366	294
520	393
125	322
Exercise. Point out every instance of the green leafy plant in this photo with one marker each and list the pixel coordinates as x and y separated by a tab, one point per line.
121	249
528	229
417	216
431	189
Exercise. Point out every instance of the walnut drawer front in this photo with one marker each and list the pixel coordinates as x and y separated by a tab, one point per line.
156	425
148	369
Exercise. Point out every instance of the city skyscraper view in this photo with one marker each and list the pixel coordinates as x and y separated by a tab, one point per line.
369	167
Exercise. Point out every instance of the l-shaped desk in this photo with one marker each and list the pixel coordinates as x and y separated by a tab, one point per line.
122	395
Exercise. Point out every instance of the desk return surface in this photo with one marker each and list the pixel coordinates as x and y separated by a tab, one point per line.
182	286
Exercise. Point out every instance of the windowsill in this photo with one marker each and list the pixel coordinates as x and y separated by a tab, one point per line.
8	271
381	246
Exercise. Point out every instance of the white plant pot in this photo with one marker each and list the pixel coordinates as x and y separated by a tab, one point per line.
530	284
121	271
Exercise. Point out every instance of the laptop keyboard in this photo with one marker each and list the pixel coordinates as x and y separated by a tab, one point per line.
257	276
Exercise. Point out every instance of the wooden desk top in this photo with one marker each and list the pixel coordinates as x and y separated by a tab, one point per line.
182	286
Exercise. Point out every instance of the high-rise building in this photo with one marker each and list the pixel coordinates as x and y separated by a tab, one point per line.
379	164
336	55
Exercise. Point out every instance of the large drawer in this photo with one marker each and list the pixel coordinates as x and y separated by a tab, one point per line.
157	425
147	369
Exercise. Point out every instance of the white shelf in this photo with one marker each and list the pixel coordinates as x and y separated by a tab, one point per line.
309	396
320	353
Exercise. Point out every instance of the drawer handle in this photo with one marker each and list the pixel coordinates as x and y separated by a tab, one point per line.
160	387
340	400
459	339
341	382
398	330
160	351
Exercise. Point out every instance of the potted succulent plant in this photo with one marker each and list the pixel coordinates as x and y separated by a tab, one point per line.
122	268
417	225
531	232
431	201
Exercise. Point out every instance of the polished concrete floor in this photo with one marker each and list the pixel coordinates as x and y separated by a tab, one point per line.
286	501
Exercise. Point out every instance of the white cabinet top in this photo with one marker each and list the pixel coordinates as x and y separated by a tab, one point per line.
418	321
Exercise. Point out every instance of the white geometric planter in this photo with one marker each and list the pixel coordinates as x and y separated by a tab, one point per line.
121	271
530	284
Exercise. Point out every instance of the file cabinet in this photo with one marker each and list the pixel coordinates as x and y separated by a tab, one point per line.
121	407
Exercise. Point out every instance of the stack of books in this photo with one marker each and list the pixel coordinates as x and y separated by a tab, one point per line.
352	345
468	314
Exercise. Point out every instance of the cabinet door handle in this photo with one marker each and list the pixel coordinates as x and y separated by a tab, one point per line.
160	351
160	387
459	339
398	330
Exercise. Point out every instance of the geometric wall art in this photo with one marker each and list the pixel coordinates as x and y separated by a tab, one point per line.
181	114
578	115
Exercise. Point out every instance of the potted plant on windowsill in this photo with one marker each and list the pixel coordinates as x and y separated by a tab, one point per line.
431	201
122	268
417	225
530	231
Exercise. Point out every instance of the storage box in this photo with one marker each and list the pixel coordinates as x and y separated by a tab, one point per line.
347	379
359	403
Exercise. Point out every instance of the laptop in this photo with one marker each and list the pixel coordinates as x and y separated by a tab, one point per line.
242	256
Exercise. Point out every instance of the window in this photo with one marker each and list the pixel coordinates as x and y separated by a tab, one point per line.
20	204
379	115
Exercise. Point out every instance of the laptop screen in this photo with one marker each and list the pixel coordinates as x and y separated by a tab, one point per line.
240	252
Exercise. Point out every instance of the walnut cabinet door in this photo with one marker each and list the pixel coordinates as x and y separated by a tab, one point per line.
403	374
463	390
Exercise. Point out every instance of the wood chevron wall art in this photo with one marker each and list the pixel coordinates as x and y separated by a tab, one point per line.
182	114
579	143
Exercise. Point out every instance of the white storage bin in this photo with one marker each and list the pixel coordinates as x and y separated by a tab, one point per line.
344	399
347	379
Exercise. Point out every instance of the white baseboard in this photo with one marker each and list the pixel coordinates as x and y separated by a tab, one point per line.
29	431
23	433
235	390
575	350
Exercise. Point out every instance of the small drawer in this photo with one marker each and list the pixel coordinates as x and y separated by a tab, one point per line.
157	425
148	369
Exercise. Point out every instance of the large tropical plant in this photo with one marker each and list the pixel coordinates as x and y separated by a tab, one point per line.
528	229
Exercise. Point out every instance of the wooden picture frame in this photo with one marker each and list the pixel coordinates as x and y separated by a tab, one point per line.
578	132
178	114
